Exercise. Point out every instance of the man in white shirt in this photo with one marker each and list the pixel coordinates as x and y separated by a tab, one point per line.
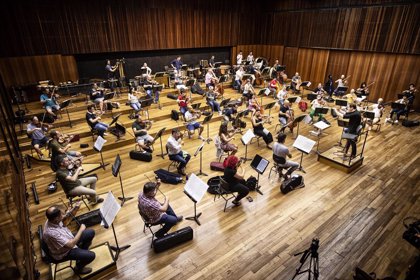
250	58
145	70
175	152
238	78
239	58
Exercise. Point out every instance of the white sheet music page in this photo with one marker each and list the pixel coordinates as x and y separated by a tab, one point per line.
195	187
246	138
321	125
99	143
304	144
109	209
262	165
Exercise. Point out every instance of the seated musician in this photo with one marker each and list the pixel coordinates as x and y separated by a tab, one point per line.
133	100
210	78
183	101
399	112
363	90
149	91
234	175
72	184
230	112
97	96
411	94
226	139
211	96
285	113
251	70
351	97
36	131
191	117
273	70
94	121
145	70
253	104
140	129
238	78
320	90
60	145
296	81
282	95
274	86
155	212
49	102
248	90
377	110
258	121
280	150
180	82
319	102
61	242
175	152
355	120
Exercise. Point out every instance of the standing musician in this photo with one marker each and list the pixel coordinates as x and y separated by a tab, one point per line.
377	110
211	61
210	78
248	90
145	70
183	101
342	82
258	121
296	82
177	65
111	71
404	100
211	96
273	70
94	121
355	120
149	91
226	139
143	139
36	131
238	78
49	101
133	100
191	117
239	58
329	85
60	145
250	58
175	152
286	116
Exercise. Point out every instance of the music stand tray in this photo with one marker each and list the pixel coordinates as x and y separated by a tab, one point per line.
159	74
196	106
259	164
109	96
190	83
342	89
321	110
157	88
312	96
292	99
341	102
146	102
269	105
65	103
369	115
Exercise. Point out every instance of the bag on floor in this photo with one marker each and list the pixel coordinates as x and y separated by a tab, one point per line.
141	155
303	106
168	177
295	182
172	96
408	123
173	239
174	115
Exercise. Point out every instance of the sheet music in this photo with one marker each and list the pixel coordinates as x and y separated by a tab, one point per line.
99	143
195	188
247	137
307	119
109	209
321	125
262	165
199	149
304	144
298	99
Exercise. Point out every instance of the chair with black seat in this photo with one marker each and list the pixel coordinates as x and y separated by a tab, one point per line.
352	137
278	165
50	260
224	192
148	225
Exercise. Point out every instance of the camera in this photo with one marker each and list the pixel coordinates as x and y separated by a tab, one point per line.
314	245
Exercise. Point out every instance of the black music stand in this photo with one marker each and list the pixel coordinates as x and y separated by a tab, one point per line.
369	115
109	96
240	115
159	135
200	150
217	64
64	105
190	83
259	164
298	120
305	83
224	102
292	99
341	102
398	106
116	171
261	93
145	104
269	106
341	90
207	122
196	106
312	96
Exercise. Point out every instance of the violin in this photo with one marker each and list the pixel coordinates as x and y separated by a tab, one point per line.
64	138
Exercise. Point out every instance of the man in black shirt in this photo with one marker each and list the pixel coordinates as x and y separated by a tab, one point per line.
354	121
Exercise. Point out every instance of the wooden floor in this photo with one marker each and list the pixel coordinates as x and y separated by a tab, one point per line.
357	217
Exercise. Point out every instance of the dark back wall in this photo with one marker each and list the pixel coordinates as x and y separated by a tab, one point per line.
93	65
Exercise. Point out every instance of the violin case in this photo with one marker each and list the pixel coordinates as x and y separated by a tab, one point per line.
173	239
141	156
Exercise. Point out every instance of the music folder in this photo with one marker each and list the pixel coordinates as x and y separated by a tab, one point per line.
195	188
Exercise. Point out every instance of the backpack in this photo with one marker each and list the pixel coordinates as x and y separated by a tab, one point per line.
303	106
174	115
251	183
295	182
197	89
168	177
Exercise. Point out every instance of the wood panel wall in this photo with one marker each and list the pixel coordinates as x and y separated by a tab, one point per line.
392	73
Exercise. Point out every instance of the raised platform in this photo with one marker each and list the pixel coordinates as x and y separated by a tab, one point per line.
330	157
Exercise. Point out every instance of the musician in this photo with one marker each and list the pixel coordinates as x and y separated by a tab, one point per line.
377	110
404	100
253	72
134	100
98	96
410	93
156	212
36	131
60	145
239	58
211	96
320	90
176	64
253	104
226	139
230	112
191	117
355	120
329	85
280	150
363	90
282	95
285	113
250	58
72	184
183	101
273	70
111	69
274	86
296	81
234	175
145	70
210	78
94	121
49	102
238	78
149	91
342	82
175	152
258	121
140	129
180	82
319	102
351	97
248	90
62	244
211	61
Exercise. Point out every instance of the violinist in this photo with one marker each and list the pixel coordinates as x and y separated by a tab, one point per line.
258	121
36	131
49	101
149	91
211	96
342	82
98	96
133	100
296	82
253	104
329	85
320	90
226	139
377	110
319	102
404	100
60	144
248	90
282	95
183	101
191	117
286	116
411	94
140	129
363	90
94	121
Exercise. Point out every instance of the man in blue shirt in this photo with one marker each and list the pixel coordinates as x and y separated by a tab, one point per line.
176	64
49	102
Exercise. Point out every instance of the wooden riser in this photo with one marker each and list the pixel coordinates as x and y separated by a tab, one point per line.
328	157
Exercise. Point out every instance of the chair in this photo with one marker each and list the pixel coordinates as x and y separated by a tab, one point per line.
148	225
50	260
257	137
94	132
173	163
224	192
220	153
278	165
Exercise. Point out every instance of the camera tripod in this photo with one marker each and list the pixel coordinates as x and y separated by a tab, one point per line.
313	262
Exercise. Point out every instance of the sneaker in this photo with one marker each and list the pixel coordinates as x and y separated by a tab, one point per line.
220	113
98	200
387	119
105	134
181	171
83	270
396	121
236	203
179	218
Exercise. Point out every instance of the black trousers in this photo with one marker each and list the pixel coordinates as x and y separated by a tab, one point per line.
240	188
81	254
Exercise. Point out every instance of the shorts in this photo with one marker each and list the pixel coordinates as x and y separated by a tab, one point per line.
193	126
52	108
98	100
144	139
40	142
